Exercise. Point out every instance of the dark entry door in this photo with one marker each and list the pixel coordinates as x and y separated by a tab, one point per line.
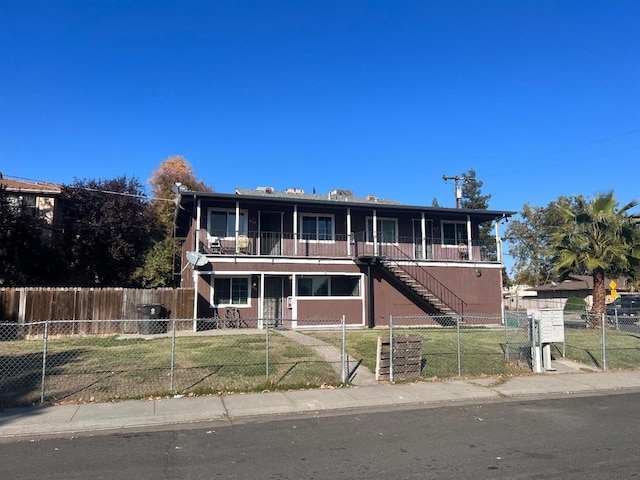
270	233
273	291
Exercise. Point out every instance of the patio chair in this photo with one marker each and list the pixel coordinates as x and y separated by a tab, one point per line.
233	319
214	245
243	244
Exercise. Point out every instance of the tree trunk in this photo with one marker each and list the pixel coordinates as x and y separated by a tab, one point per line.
599	298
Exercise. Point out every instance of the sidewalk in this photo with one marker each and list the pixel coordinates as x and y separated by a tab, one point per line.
137	414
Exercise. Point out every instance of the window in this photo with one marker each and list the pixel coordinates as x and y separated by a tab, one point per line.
454	233
24	202
231	291
328	286
223	223
318	227
387	230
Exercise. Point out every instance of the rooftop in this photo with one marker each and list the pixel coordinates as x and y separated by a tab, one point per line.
29	187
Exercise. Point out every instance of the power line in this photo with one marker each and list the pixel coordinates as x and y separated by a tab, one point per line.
523	161
593	142
124	194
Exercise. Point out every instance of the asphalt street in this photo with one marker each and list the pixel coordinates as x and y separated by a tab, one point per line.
586	437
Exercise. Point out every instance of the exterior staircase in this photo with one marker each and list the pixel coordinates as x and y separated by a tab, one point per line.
407	273
403	275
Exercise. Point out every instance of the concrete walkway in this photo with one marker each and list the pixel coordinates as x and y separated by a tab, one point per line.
357	374
93	418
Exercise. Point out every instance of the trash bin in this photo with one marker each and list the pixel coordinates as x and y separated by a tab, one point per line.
154	318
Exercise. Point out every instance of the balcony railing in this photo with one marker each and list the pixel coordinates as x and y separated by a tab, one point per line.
287	244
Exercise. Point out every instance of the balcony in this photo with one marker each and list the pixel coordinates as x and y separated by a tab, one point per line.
288	244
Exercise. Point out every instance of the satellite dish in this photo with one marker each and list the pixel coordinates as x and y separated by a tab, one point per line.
197	259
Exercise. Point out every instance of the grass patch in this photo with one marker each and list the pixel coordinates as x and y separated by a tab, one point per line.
108	368
585	346
482	350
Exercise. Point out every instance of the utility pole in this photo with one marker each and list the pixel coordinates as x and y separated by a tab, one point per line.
458	188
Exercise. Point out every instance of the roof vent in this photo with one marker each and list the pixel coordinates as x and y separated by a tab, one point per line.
265	189
297	191
340	193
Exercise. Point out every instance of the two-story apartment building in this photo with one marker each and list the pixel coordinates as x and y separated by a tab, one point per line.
294	256
38	197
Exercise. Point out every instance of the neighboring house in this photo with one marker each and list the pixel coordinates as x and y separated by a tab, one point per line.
555	294
38	197
291	255
519	297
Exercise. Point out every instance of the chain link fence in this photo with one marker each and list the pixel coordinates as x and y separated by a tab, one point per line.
603	341
595	341
106	360
75	361
470	345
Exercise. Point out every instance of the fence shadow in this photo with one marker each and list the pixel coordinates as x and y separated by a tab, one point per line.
21	375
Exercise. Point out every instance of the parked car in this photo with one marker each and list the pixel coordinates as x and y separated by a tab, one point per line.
626	308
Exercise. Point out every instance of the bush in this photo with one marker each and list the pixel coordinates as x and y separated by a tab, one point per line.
575	304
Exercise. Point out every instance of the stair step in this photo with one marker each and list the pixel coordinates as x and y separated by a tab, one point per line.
417	287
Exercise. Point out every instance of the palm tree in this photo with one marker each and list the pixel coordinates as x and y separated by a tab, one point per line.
597	238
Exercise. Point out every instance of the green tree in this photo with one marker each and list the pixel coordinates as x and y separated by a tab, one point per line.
598	238
107	230
528	237
473	198
471	192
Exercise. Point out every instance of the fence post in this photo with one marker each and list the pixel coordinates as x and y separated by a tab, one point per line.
506	337
344	350
604	343
173	353
267	349
44	359
458	342
391	348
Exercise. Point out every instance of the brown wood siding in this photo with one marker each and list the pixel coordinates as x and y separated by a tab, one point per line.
482	294
330	308
390	301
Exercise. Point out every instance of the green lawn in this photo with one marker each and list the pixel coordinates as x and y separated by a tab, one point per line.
584	345
482	350
108	368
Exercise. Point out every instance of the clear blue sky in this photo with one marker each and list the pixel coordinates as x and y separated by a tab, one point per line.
541	98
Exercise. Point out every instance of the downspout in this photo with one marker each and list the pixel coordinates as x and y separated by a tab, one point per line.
371	297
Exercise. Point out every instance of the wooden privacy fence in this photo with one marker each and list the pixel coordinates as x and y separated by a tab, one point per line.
27	305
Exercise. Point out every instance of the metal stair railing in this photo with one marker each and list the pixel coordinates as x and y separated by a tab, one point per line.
391	254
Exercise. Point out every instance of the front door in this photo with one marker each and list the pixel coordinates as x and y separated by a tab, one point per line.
273	291
270	233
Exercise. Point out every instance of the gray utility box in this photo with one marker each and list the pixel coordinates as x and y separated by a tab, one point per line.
550	324
547	327
152	318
